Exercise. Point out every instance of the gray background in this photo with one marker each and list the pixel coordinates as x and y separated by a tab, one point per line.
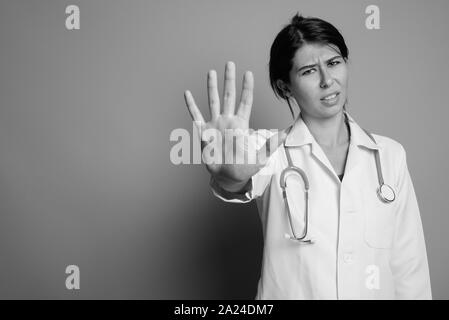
85	120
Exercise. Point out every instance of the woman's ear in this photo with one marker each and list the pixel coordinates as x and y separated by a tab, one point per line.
284	87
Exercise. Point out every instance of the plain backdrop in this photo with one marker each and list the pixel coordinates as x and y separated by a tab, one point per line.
86	116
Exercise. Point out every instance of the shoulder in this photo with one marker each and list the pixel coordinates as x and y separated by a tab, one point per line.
260	136
387	142
391	148
263	134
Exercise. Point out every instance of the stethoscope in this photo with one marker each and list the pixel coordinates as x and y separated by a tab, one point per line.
385	192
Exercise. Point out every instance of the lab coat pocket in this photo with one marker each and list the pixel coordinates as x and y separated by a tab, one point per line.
379	222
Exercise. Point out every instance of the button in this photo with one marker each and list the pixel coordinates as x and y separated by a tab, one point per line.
348	257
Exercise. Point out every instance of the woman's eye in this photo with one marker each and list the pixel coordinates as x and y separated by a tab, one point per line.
333	63
308	71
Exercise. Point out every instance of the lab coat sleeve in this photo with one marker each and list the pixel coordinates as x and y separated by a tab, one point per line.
258	182
409	257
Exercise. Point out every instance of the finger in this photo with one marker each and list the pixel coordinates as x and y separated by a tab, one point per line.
271	146
195	113
212	91
246	100
229	89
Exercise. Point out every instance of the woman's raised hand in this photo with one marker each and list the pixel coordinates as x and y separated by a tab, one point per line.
240	169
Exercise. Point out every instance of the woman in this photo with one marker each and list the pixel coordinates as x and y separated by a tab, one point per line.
349	235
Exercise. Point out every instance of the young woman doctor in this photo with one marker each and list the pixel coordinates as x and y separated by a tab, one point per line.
338	209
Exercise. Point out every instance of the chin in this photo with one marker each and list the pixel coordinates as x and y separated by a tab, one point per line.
322	111
331	111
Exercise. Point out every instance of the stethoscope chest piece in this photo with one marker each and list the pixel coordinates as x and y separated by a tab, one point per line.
386	193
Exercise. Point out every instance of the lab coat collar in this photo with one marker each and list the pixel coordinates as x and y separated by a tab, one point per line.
358	136
300	135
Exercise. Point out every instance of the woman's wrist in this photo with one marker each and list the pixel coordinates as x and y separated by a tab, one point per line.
232	185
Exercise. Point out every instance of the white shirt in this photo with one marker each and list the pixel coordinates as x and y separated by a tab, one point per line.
363	248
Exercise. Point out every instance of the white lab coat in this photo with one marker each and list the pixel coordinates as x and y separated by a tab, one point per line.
364	248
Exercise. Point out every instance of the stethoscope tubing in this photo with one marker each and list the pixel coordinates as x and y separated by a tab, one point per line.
292	168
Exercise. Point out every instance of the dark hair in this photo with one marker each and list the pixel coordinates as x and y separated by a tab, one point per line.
293	36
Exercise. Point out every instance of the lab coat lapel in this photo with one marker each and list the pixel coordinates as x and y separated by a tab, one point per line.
358	142
353	160
319	154
300	135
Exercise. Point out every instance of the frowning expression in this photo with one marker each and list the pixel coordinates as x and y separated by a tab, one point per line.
319	80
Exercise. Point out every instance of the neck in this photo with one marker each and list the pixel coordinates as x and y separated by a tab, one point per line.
329	133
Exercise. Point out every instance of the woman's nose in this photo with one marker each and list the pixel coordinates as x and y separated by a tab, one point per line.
326	79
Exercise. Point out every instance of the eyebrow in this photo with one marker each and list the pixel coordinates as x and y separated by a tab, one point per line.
314	65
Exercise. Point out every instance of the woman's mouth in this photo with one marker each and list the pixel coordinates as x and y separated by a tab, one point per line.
331	99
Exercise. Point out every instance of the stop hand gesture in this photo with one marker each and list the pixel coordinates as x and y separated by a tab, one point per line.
232	176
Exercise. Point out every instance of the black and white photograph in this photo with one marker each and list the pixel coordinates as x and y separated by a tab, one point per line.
211	150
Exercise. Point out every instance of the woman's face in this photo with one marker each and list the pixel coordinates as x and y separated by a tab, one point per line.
317	72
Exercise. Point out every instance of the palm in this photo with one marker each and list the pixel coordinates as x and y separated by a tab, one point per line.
231	170
228	119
